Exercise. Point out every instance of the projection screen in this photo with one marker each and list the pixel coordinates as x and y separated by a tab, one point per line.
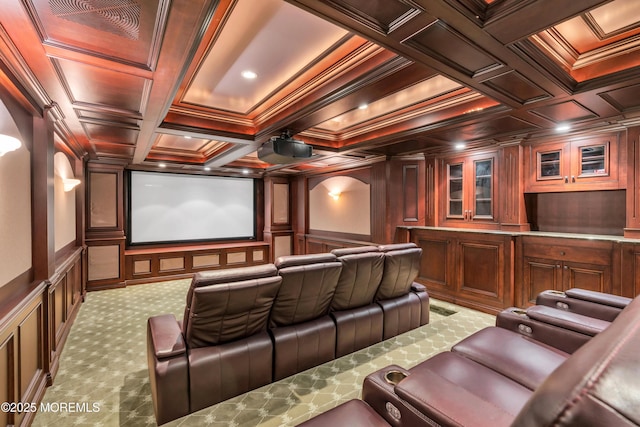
170	207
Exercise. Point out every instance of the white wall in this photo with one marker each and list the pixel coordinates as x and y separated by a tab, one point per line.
15	214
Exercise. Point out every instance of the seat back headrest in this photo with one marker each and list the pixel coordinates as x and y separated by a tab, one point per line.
355	250
401	267
396	247
305	293
295	260
359	280
227	275
596	385
227	312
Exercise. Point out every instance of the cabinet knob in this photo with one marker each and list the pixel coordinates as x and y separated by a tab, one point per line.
573	179
566	267
561	252
557	265
566	179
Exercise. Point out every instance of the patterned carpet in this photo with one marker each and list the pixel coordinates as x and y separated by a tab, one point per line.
103	367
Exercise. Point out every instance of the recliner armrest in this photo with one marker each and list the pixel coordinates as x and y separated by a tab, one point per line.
564	319
417	287
598	297
166	336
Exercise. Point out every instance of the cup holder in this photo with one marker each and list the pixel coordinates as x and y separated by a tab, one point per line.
519	312
394	377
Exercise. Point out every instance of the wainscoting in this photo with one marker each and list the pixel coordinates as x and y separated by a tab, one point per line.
33	329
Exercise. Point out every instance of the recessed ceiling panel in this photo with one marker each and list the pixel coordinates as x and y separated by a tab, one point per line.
103	88
380	15
111	132
517	87
122	30
625	98
425	90
270	38
485	129
564	112
451	48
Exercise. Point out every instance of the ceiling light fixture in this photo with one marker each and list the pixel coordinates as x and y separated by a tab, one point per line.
162	165
335	195
249	75
363	106
460	146
563	127
207	168
245	171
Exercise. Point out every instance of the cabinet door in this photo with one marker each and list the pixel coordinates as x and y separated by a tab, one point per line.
455	191
592	163
549	168
539	275
593	277
435	266
470	190
480	270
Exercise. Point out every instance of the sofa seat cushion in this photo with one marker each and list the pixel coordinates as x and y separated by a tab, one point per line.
511	354
456	391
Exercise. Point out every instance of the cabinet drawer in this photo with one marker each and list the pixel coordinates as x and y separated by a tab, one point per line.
586	251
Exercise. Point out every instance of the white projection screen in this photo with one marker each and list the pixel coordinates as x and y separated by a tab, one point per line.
170	207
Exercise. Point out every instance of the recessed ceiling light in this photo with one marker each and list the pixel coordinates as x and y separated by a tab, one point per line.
249	75
187	137
563	127
162	165
245	171
207	168
460	146
363	106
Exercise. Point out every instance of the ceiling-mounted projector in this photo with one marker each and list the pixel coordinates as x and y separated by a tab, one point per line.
284	149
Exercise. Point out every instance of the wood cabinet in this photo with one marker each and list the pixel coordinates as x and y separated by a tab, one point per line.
576	165
469	187
561	264
468	268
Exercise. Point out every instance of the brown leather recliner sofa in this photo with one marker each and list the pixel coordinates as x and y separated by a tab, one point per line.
245	327
498	377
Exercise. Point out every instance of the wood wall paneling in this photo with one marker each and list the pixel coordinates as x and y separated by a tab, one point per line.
164	263
23	363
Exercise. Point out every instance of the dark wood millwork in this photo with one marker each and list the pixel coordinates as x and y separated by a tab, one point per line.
278	230
469	191
105	233
511	205
632	229
42	210
153	264
468	268
561	264
588	163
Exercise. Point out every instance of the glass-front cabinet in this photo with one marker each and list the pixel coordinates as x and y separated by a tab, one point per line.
587	164
470	191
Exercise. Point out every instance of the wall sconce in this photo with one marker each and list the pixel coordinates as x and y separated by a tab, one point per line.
335	195
70	183
8	143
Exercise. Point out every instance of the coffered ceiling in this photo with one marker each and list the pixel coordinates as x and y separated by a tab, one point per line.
165	81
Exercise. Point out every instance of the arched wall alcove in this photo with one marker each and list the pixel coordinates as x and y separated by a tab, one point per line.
64	202
341	204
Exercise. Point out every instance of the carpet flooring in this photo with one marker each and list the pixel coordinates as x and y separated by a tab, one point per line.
103	367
